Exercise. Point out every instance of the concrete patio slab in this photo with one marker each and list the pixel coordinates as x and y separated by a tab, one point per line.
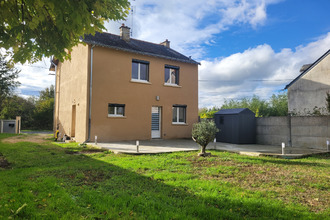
157	146
268	150
154	146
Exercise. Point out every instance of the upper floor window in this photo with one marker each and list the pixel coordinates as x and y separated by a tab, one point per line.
140	70
171	75
116	110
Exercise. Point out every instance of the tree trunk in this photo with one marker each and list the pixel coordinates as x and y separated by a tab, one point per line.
203	149
203	153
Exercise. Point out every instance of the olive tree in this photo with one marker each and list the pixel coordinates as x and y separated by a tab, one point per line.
203	133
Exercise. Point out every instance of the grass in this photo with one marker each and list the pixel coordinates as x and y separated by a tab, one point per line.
67	181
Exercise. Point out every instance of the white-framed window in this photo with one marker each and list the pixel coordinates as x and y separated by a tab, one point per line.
116	110
179	114
172	75
140	70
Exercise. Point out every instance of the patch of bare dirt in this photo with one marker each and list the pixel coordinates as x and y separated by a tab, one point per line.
86	151
86	177
34	138
4	163
290	184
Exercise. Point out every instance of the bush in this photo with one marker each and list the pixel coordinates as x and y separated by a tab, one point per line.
203	133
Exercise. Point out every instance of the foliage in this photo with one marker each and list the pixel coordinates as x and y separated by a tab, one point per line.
257	105
208	113
203	133
57	183
37	28
47	93
43	114
327	99
8	76
18	106
36	113
277	105
44	109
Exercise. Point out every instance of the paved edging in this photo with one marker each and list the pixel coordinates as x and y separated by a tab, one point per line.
169	146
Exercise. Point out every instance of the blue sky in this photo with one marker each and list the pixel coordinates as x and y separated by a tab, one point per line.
289	24
245	47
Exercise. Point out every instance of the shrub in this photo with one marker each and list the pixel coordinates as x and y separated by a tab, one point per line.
328	101
203	133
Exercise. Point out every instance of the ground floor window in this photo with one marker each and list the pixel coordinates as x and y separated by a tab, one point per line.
179	114
116	110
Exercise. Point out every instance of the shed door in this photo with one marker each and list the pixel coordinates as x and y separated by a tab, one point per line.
155	122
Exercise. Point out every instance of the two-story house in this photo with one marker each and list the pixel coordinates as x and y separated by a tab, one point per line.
119	88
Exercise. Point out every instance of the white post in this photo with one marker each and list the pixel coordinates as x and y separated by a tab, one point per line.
215	143
328	145
283	148
95	140
137	146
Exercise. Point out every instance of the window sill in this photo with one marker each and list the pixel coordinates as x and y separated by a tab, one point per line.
116	116
140	81
180	124
172	85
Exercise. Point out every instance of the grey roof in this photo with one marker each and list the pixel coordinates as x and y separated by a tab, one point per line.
308	69
232	111
136	46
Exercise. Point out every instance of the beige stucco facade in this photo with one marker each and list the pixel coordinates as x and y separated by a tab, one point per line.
112	83
72	92
307	95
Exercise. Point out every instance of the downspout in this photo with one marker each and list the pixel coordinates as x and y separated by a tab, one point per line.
90	96
55	90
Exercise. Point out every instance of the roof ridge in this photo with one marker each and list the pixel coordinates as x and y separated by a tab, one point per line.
158	44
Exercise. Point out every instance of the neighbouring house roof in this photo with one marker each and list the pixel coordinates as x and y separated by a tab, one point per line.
136	46
307	68
232	111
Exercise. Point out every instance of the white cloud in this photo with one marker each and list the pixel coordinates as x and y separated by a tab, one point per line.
188	24
34	77
258	70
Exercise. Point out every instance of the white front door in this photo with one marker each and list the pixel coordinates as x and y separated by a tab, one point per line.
155	122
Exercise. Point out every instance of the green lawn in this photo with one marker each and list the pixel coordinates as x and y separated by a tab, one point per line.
48	181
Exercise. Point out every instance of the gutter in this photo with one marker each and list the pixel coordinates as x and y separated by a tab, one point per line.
90	97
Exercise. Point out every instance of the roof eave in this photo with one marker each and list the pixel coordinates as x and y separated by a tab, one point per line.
142	53
308	69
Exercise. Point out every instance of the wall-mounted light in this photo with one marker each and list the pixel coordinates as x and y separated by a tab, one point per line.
157	97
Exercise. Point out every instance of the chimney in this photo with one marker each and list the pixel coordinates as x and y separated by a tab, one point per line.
125	33
166	43
304	67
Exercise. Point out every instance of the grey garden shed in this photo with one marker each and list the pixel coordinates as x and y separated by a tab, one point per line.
237	126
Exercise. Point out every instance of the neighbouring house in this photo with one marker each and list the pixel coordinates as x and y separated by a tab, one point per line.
119	88
307	92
